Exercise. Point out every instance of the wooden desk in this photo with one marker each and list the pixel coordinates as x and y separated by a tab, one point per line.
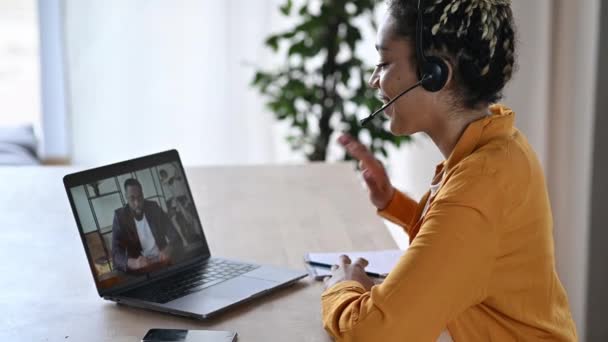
266	214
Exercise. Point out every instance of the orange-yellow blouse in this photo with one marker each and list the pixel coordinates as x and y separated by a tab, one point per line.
481	260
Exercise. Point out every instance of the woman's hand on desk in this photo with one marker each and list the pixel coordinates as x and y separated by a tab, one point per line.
380	188
345	270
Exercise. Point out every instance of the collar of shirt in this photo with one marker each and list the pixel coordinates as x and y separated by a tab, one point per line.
500	123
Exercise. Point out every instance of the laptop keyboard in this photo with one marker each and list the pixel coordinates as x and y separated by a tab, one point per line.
211	272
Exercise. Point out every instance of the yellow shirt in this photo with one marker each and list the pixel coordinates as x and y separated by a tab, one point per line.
481	260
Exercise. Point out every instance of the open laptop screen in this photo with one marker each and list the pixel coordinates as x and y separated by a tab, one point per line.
136	218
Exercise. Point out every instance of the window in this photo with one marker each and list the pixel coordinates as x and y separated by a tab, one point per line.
19	63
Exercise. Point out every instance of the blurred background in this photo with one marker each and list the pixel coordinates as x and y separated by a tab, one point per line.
86	82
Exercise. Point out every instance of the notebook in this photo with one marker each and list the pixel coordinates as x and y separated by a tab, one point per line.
380	262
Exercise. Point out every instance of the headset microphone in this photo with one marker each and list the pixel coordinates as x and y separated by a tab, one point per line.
417	84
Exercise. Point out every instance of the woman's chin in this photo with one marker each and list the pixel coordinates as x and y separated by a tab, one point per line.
396	124
397	129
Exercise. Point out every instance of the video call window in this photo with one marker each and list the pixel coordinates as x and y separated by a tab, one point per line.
151	228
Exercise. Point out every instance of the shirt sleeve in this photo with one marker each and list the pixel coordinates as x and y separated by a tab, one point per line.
445	270
400	210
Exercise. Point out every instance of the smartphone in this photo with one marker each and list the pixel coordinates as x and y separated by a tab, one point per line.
183	335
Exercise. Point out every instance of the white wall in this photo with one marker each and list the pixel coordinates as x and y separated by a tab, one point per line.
152	75
19	68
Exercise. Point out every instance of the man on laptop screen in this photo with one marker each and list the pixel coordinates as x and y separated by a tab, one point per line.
143	237
130	228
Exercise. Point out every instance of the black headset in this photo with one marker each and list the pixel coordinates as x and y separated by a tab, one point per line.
432	71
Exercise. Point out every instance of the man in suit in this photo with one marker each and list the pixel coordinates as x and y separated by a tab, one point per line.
143	236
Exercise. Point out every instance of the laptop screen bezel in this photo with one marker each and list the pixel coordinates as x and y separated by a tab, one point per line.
87	176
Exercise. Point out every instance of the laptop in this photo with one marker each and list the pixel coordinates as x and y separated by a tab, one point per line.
146	247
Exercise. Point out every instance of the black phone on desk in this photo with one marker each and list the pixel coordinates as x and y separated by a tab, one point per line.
184	335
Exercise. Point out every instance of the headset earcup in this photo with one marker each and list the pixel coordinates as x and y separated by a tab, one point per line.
438	70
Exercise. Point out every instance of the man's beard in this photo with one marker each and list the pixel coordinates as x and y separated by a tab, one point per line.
138	215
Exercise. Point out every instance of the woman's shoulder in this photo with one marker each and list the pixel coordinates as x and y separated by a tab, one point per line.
507	165
493	179
510	156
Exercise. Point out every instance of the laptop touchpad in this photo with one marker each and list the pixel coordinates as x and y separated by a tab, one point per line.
275	274
221	295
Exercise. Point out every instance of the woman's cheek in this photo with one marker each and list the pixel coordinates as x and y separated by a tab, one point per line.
386	85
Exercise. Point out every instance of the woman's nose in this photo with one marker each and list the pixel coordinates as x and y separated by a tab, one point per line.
374	80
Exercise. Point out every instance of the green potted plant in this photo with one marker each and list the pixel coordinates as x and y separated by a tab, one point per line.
322	86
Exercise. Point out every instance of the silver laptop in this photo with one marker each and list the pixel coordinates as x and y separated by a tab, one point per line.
145	244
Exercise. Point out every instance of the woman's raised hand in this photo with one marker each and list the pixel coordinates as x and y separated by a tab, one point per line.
380	188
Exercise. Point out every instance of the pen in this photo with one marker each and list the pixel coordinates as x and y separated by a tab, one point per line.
371	274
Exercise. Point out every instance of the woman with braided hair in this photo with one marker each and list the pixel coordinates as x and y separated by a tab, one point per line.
480	265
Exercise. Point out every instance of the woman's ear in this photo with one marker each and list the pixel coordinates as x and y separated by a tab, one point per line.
450	70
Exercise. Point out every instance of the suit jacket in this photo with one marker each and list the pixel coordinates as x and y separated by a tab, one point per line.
125	240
